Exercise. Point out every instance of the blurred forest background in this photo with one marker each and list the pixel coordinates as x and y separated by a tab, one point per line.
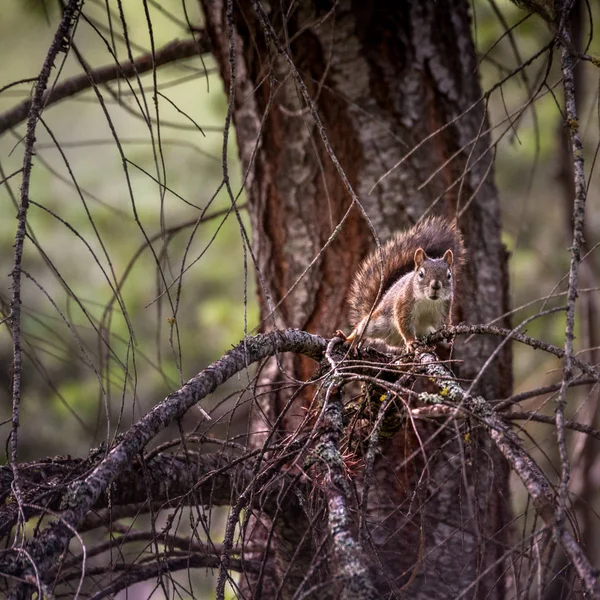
62	383
85	381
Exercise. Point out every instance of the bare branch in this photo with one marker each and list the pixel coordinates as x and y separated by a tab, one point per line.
350	560
449	332
60	43
535	416
578	222
171	52
168	480
547	389
136	573
529	472
83	495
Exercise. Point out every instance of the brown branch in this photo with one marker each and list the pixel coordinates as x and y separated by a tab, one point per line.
83	495
450	332
173	51
582	449
547	389
510	445
572	124
131	536
60	43
535	416
170	480
135	573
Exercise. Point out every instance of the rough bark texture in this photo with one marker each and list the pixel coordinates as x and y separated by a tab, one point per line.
383	76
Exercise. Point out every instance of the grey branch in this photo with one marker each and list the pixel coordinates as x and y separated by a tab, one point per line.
511	447
169	480
190	479
568	424
136	573
352	567
567	64
83	495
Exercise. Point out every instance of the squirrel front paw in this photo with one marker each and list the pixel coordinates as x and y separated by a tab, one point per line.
353	339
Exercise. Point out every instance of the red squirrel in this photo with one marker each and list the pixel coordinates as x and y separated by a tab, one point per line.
420	268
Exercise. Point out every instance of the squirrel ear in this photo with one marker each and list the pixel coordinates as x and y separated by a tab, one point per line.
419	257
448	257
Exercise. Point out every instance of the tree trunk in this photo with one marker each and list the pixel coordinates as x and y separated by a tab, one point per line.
383	77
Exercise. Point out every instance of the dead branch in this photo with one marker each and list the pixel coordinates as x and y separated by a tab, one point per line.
448	333
520	462
568	424
136	573
60	42
73	487
350	561
546	389
83	495
572	123
171	52
168	479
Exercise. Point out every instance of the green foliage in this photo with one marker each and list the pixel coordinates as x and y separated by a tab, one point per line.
85	349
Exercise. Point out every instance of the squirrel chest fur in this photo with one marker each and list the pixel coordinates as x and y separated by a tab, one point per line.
420	268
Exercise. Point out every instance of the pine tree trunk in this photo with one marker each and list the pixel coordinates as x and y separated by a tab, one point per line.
384	77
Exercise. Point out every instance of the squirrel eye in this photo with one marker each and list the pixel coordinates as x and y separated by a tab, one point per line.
421	274
449	275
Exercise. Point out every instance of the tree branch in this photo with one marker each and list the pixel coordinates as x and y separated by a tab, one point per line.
568	424
511	447
176	479
60	43
449	332
349	558
166	479
83	495
578	221
547	389
135	573
173	51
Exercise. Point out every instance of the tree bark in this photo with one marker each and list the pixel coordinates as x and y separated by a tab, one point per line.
383	77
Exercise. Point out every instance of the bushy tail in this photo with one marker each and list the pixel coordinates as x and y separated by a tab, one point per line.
434	234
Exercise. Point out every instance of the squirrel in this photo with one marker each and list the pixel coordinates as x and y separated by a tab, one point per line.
420	269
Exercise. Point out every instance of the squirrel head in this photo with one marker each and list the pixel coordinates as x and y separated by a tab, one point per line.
433	278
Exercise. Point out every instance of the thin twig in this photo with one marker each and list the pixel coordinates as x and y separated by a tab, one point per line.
578	222
61	38
547	389
84	494
535	416
510	445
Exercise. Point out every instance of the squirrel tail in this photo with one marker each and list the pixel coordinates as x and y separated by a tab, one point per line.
434	234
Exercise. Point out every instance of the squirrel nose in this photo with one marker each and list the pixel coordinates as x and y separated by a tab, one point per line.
436	285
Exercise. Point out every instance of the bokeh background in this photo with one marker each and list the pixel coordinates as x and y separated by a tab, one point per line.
92	366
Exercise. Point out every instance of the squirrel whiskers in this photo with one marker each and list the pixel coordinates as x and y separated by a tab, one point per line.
420	269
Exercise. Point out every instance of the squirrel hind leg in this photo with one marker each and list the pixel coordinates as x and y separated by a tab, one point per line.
356	337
